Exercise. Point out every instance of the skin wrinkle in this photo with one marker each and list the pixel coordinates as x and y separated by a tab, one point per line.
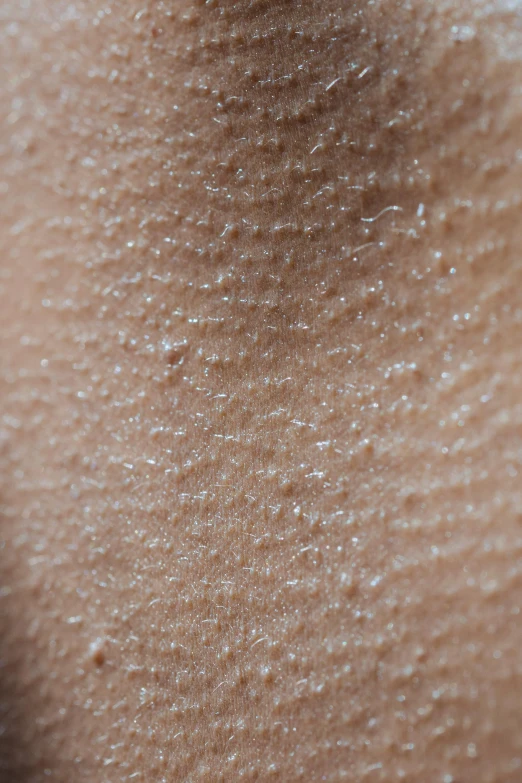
260	499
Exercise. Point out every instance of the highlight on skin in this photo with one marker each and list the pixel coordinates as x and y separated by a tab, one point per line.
260	434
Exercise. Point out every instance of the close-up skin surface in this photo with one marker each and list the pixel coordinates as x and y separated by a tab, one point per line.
260	419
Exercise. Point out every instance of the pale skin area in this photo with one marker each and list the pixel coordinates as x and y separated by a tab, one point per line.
260	453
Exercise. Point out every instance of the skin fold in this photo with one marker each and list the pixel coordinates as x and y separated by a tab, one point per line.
260	434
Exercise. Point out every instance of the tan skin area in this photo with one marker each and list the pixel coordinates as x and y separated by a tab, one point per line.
260	368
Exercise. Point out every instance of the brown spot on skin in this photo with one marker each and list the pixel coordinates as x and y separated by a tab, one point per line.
97	652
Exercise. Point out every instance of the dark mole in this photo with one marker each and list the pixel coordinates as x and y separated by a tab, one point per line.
97	652
99	657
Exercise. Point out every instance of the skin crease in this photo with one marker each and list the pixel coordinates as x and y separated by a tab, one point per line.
260	359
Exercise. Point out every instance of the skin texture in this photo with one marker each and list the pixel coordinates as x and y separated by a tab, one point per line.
260	359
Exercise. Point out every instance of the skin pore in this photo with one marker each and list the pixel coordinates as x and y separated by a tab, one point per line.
259	368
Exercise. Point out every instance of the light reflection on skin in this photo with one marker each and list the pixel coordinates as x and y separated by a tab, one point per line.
260	344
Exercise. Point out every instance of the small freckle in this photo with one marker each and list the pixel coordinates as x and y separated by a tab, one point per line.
96	652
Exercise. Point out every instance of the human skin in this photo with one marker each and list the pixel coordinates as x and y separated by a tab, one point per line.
260	345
